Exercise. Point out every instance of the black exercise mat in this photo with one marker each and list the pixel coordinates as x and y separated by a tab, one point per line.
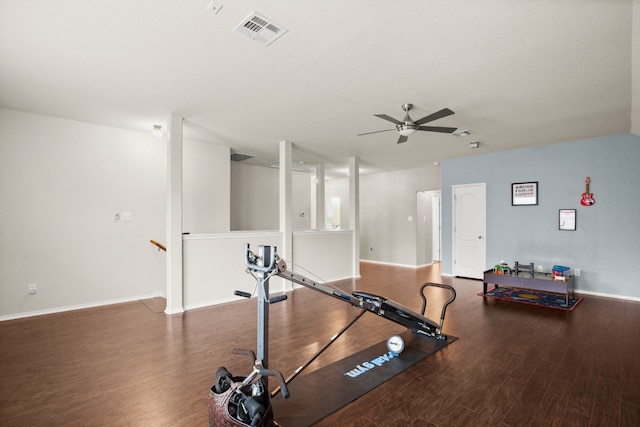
327	389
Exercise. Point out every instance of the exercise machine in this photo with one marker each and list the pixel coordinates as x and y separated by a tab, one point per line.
265	264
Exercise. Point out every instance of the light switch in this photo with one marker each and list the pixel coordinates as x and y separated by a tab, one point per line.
126	216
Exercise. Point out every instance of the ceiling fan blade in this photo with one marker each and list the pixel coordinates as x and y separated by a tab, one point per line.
375	131
437	129
390	119
435	116
402	139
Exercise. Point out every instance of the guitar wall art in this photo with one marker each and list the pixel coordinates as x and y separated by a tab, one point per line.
587	197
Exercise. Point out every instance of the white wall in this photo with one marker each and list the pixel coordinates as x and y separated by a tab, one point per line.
254	198
206	192
323	255
387	200
214	264
340	188
424	229
61	182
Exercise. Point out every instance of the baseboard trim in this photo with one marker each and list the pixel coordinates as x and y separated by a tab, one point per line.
395	264
601	294
54	310
210	303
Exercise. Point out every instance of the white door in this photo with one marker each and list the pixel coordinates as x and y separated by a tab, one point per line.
469	227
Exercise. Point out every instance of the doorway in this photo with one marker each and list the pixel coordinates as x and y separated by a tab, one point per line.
428	237
469	228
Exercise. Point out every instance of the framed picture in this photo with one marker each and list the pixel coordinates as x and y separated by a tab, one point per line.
524	193
567	219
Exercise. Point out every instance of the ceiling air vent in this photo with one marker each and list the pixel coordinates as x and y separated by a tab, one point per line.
238	157
260	29
296	166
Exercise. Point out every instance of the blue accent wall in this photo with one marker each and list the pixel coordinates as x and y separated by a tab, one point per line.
606	244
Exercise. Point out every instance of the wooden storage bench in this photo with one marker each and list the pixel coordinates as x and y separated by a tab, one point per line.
539	282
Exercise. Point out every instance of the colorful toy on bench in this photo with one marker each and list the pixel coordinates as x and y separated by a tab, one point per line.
502	268
559	272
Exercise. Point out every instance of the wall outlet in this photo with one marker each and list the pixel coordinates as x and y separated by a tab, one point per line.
371	249
576	271
540	268
32	288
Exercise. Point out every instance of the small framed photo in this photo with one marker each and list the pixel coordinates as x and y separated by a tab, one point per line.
524	193
567	219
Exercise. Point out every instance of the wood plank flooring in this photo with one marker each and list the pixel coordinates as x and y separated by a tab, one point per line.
514	365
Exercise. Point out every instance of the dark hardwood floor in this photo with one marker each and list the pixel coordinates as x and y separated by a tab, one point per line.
513	365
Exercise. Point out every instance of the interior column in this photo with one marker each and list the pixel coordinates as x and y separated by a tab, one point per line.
175	302
286	209
317	199
354	211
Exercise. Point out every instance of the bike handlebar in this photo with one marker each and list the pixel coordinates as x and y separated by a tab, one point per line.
283	386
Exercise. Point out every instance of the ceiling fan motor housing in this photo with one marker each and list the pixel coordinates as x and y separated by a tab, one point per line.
408	127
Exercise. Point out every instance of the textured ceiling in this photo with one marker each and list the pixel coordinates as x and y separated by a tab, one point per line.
516	73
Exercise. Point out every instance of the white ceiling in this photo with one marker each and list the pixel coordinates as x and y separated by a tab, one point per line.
516	73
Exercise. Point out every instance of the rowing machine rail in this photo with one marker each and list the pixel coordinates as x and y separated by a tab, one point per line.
376	304
267	264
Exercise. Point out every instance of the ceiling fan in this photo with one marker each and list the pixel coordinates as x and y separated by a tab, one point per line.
408	127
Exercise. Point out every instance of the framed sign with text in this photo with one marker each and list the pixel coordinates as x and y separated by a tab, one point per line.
524	193
567	219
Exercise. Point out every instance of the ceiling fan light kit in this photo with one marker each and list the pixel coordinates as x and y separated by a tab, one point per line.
406	130
408	127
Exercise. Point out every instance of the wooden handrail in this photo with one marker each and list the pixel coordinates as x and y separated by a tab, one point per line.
160	246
